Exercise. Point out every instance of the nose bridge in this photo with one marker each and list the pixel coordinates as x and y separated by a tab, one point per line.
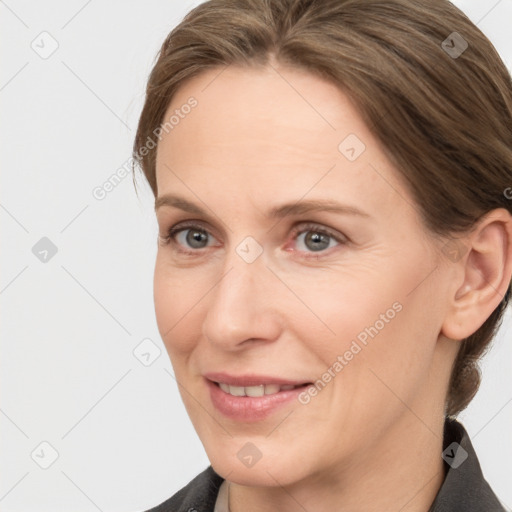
239	307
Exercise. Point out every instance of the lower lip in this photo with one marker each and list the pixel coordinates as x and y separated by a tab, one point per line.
250	408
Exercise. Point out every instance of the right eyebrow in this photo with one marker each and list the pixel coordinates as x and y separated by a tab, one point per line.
277	212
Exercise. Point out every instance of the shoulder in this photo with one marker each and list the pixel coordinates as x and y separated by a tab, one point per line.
199	495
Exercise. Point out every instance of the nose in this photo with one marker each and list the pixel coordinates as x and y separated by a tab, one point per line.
243	305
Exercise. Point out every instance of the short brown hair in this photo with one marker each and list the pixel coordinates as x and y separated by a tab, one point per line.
429	84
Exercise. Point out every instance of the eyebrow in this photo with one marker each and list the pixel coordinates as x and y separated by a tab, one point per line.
277	212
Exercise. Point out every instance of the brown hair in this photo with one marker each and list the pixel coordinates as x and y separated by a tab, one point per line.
442	111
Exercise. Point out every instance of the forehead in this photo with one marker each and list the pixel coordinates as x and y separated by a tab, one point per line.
262	107
261	131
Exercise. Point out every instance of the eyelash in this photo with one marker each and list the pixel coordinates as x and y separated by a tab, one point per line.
296	231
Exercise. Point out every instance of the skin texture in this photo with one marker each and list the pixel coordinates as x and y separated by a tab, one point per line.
372	438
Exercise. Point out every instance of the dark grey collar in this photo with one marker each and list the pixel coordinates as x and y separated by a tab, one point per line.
464	488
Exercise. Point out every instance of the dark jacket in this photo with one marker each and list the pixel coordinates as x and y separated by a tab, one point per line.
464	488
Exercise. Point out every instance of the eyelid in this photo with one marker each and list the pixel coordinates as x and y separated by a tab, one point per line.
182	226
296	230
319	228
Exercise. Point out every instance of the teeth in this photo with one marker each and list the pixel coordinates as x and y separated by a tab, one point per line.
237	390
262	389
272	389
255	390
224	387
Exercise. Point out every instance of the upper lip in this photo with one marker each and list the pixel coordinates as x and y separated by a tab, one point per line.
251	379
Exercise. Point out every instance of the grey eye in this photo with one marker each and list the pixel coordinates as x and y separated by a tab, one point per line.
195	238
318	241
315	241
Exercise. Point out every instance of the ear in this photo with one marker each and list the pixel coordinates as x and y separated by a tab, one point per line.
484	272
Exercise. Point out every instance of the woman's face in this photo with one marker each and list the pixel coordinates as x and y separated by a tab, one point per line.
352	300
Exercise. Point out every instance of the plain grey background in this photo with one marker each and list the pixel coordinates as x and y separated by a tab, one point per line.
87	421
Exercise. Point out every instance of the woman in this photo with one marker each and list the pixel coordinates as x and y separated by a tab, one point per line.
332	188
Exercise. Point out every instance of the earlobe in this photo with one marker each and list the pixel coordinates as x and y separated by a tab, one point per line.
486	270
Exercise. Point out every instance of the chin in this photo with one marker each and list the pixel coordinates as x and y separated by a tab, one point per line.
258	476
269	471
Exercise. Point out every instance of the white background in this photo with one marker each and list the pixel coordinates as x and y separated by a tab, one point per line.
69	326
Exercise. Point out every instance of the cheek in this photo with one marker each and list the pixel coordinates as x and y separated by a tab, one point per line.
177	303
394	352
344	307
371	321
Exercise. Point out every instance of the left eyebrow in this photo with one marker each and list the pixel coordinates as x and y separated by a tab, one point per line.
325	205
277	212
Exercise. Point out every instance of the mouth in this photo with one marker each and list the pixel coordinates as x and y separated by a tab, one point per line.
252	380
259	390
252	402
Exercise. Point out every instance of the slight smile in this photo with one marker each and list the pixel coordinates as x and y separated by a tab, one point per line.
251	398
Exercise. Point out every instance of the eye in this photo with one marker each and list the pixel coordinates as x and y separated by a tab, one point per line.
191	238
315	238
186	235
